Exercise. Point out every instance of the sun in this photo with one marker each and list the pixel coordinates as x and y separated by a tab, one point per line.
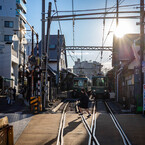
122	29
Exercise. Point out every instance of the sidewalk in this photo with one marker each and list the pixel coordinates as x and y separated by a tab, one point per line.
17	106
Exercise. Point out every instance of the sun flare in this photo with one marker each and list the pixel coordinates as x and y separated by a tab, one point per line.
122	29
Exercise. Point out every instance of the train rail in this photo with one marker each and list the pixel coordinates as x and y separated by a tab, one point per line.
61	126
91	131
117	125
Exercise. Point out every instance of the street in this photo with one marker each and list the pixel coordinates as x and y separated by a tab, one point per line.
42	129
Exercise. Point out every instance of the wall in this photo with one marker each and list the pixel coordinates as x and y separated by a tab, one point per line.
8	8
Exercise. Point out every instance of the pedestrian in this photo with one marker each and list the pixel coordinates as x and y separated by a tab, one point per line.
84	101
14	94
11	95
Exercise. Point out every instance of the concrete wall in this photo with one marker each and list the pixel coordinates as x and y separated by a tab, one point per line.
8	8
5	59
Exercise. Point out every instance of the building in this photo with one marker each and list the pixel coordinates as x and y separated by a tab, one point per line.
11	53
86	68
28	48
57	63
128	77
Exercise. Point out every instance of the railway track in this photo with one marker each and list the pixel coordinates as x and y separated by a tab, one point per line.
61	126
91	130
118	126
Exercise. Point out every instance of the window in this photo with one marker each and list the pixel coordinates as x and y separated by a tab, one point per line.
0	7
51	46
8	38
9	24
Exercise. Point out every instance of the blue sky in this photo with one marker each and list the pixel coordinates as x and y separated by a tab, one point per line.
87	32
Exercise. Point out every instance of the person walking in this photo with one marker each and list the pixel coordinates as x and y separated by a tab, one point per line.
14	94
84	101
11	95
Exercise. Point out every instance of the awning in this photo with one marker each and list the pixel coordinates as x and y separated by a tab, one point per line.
7	79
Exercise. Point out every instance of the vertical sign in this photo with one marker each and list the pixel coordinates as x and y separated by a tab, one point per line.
143	98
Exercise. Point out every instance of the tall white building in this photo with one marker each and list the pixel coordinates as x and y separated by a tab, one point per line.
11	53
86	68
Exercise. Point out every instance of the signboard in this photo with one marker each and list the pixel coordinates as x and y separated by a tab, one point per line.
143	97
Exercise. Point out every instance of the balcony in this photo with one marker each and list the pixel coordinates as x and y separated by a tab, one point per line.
21	5
20	13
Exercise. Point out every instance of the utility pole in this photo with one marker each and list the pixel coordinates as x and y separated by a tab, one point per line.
58	47
141	50
116	49
43	28
47	52
43	53
32	52
117	10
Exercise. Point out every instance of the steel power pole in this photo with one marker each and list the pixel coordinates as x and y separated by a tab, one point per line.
141	50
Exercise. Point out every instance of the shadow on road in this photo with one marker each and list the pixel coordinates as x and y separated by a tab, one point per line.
71	126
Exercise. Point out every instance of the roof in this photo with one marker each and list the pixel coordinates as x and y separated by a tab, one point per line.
52	46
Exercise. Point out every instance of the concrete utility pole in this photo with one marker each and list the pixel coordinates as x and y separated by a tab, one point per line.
117	10
58	47
141	49
116	51
43	28
32	51
42	52
47	52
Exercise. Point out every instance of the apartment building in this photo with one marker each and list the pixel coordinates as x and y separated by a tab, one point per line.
86	68
12	52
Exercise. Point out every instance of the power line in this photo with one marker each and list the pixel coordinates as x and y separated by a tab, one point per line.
99	9
104	27
73	23
60	28
90	14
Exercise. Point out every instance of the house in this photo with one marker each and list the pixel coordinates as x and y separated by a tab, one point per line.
57	62
11	53
127	74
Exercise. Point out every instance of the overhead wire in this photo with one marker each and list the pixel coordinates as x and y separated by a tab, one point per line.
60	28
110	26
104	28
104	40
75	11
100	8
73	22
